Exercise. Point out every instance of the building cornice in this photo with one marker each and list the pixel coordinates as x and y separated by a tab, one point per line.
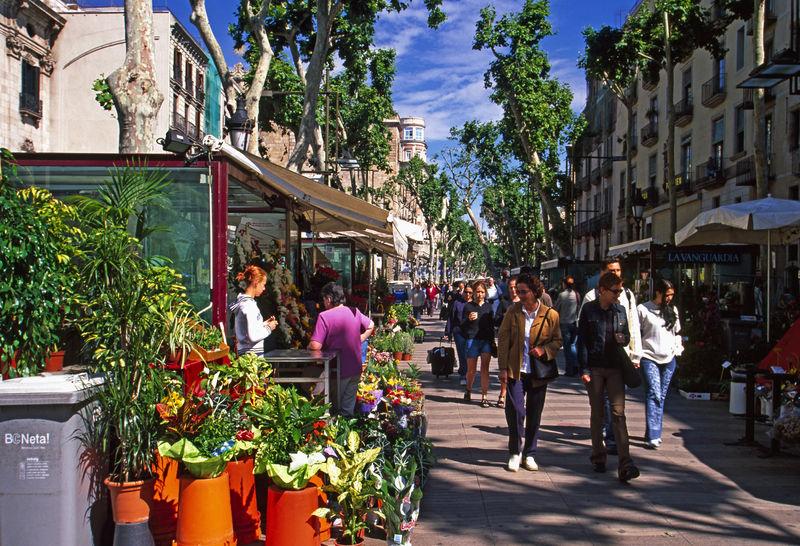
182	37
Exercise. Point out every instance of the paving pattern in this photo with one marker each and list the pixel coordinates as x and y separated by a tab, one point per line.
694	490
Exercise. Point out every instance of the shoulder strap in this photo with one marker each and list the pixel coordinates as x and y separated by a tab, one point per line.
541	327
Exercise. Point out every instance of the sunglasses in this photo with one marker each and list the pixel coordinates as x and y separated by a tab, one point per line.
523	292
616	291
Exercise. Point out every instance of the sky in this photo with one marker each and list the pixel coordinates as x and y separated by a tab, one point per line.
439	76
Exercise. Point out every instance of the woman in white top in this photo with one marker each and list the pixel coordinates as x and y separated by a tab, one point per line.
251	328
661	343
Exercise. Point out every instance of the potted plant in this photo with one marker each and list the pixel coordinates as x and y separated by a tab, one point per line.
352	485
400	494
408	345
398	345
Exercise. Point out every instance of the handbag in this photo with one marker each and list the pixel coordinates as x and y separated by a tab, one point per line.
543	369
630	373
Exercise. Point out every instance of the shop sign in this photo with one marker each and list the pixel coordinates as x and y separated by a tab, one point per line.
705	254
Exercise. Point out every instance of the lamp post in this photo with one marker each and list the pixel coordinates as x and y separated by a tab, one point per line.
637	209
240	126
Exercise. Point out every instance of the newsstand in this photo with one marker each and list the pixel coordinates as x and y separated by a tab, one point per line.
50	490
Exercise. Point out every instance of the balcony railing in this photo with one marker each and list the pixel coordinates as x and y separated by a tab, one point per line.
595	178
179	122
709	175
30	105
608	166
177	75
683	111
199	93
683	183
650	196
745	171
648	84
714	91
650	134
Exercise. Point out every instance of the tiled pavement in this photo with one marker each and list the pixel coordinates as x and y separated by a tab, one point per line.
693	490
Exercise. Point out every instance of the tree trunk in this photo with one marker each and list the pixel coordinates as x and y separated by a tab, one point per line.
669	156
487	257
326	15
133	85
628	189
548	241
762	184
512	234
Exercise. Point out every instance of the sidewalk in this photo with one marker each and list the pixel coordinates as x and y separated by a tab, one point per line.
693	490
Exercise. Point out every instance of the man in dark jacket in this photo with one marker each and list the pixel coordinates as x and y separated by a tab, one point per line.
603	332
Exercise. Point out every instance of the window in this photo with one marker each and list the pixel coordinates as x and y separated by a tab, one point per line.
740	48
596	203
29	97
719	73
200	87
794	193
652	112
652	172
419	133
177	63
687	84
622	185
609	146
718	141
408	133
633	135
738	122
408	155
686	158
189	84
794	129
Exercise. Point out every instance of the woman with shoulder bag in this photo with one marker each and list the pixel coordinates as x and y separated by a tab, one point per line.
477	326
661	343
602	335
528	342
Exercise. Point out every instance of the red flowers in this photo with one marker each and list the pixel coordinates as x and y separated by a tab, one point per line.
244	435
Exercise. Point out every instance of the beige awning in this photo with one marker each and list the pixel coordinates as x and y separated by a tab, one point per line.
634	247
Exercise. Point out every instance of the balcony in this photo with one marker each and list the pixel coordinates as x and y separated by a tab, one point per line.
583	182
607	166
745	171
177	76
709	175
714	91
684	110
595	226
30	105
199	93
650	134
683	183
179	122
605	220
650	197
595	177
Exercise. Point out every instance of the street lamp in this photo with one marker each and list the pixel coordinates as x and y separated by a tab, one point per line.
637	209
239	126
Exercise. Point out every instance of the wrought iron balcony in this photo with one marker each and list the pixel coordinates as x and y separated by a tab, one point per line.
650	197
29	104
177	76
683	183
684	110
714	91
179	122
710	175
650	134
605	220
595	177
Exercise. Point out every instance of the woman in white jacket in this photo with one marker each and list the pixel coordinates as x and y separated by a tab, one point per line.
661	343
251	328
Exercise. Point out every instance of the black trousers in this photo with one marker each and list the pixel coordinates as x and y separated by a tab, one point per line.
524	413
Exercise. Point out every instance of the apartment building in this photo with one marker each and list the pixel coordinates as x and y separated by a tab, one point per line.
713	142
55	51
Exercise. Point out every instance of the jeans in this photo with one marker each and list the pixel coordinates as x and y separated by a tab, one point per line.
569	333
656	381
461	351
608	380
476	347
524	412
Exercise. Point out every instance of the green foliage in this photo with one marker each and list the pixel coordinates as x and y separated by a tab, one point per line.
611	56
102	93
38	248
403	343
208	338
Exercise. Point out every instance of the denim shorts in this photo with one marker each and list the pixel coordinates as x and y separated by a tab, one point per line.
477	346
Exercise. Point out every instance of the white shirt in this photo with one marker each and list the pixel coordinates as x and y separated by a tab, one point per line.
659	344
628	301
529	318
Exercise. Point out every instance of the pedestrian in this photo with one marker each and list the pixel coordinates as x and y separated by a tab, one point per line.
342	329
602	330
633	349
418	298
492	294
543	296
530	330
446	297
505	276
250	327
461	296
505	305
477	326
661	343
431	291
567	304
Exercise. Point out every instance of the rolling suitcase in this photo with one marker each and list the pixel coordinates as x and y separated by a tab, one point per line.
442	360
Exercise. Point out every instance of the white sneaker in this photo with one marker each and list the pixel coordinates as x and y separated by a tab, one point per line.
654	444
462	382
513	463
530	464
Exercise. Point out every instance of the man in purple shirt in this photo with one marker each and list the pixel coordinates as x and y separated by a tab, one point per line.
342	329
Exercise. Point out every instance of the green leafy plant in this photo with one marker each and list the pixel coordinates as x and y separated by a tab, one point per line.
244	377
400	494
208	338
39	243
406	342
353	485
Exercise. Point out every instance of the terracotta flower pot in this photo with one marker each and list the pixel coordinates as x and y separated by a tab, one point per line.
164	510
55	362
244	508
204	512
359	542
130	501
397	356
324	524
290	522
407	356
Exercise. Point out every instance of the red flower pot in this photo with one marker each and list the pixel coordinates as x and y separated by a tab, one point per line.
130	501
289	521
164	510
244	508
204	512
55	362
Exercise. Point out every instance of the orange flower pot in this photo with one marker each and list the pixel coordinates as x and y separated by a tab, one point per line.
55	362
324	524
290	522
164	510
204	512
244	508
130	501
